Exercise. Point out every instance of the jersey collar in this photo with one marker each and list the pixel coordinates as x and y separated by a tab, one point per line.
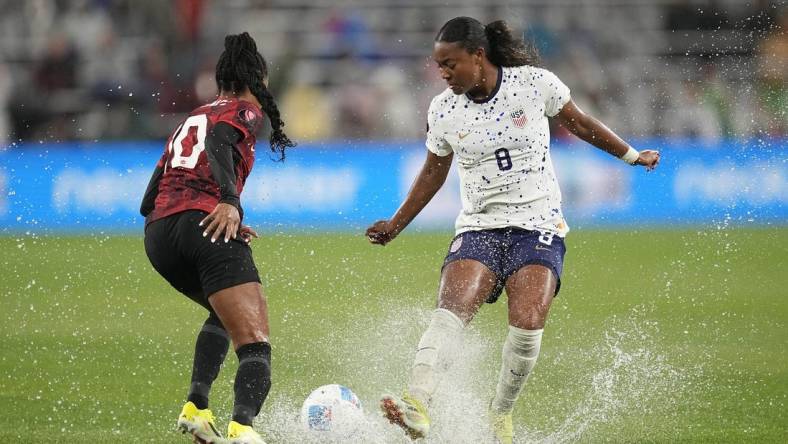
494	91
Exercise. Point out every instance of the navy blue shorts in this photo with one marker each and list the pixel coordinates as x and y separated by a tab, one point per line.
506	250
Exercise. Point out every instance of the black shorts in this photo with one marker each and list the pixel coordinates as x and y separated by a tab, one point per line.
506	250
193	264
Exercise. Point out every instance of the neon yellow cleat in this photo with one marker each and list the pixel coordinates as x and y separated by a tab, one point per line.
408	413
501	424
242	434
199	423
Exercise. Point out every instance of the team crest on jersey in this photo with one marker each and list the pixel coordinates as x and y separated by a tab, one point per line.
519	118
246	115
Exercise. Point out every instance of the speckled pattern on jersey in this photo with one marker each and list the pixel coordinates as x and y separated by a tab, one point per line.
501	145
187	183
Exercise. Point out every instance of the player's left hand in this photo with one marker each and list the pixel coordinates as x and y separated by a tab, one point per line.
649	159
247	234
223	221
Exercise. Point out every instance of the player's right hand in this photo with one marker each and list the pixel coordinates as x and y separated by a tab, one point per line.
223	220
247	234
381	232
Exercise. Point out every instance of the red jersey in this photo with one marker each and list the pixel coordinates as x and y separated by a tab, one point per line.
187	182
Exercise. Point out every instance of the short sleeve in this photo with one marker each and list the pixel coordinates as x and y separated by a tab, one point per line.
436	143
245	117
555	93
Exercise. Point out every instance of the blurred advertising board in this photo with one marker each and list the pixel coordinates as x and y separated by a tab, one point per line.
92	188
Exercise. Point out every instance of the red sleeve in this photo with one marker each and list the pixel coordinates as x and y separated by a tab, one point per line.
246	117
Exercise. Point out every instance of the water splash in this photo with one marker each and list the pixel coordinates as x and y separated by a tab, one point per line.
618	374
625	373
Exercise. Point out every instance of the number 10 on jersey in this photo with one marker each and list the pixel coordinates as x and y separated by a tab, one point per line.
180	143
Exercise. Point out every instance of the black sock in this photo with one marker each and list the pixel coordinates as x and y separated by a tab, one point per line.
252	381
209	353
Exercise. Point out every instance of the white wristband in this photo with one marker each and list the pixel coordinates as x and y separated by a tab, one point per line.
631	156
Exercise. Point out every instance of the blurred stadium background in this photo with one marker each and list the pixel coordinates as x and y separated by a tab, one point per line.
101	69
671	325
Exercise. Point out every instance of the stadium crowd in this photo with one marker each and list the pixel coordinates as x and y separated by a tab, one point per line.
127	70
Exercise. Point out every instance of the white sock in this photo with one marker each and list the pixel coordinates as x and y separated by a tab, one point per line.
519	357
443	327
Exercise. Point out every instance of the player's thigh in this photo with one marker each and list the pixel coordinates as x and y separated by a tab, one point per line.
219	265
471	272
243	310
530	290
231	283
533	266
168	260
465	285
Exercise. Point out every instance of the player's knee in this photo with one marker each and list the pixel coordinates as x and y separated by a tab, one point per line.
533	318
532	324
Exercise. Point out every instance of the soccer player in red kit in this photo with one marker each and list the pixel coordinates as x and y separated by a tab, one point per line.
194	237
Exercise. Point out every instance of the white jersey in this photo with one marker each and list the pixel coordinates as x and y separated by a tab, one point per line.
501	146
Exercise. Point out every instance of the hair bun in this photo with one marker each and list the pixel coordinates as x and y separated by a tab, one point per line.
239	42
496	29
228	41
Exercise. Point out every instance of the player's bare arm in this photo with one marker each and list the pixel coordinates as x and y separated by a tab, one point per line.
428	182
591	130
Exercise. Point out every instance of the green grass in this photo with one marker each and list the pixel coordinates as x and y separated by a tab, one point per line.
657	336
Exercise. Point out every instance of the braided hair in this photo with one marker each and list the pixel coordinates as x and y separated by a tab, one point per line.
497	39
241	66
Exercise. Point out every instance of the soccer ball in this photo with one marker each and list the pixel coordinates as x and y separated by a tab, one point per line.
332	409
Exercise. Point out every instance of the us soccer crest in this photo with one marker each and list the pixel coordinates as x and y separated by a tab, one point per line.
519	118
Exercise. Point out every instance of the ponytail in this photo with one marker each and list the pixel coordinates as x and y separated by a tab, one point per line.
241	66
278	140
507	50
499	43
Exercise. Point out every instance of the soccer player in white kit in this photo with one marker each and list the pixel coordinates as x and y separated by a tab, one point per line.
493	119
